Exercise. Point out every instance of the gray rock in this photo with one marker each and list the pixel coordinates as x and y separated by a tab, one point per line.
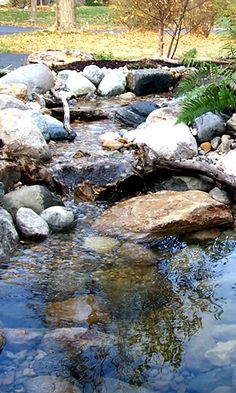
21	136
55	128
185	183
59	218
135	114
231	123
148	81
37	77
7	101
220	195
76	83
94	74
30	224
215	142
50	384
8	234
208	126
113	83
37	198
170	141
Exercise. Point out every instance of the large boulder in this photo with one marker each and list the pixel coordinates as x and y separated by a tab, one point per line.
8	234
8	101
228	163
94	74
37	77
21	136
113	83
165	213
208	126
37	198
135	114
170	141
76	83
30	224
149	81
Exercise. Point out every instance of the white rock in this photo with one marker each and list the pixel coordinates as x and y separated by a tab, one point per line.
94	74
170	141
8	101
30	224
109	136
58	217
228	163
76	83
21	136
113	83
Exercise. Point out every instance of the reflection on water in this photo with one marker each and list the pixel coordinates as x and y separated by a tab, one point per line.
82	317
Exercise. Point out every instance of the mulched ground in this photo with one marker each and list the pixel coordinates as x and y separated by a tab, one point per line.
146	63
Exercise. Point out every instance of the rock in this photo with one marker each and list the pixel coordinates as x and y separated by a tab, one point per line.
59	57
113	83
164	213
170	141
109	136
76	83
17	90
59	218
184	183
111	385
8	234
225	146
215	142
101	244
30	224
74	310
231	123
219	195
21	136
135	114
2	339
8	101
149	81
112	145
128	96
10	174
50	384
55	129
94	74
22	337
208	126
223	353
170	112
37	77
203	236
66	335
206	382
37	198
228	163
206	147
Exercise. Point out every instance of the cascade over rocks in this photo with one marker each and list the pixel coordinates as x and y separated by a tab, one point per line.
164	213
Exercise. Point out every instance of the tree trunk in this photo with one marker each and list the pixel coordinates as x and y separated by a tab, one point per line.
33	14
66	15
161	39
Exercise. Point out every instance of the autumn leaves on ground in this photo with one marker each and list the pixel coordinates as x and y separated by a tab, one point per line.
124	44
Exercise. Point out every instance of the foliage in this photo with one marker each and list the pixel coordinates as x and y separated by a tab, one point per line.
104	55
189	55
208	89
230	37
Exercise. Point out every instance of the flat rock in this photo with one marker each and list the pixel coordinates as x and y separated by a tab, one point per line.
59	57
149	81
50	384
37	198
8	234
30	224
164	213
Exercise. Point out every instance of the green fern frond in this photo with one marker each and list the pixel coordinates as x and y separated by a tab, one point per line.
212	98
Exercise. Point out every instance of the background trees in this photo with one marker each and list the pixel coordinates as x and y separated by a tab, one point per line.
65	15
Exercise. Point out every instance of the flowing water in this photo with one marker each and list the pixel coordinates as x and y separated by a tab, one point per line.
109	315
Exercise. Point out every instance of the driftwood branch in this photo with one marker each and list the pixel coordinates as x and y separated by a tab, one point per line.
62	96
150	162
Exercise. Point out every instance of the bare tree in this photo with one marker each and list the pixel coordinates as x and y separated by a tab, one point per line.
33	13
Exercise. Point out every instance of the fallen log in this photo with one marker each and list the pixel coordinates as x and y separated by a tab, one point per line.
149	162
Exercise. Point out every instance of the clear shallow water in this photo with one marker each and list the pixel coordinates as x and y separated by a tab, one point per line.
151	315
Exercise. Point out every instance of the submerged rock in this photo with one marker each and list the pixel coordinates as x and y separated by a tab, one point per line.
30	224
165	213
50	384
111	385
8	234
37	198
101	244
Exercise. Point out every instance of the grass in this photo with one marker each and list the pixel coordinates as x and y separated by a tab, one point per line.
133	44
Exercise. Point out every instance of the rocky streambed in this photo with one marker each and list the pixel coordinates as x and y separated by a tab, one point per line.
135	289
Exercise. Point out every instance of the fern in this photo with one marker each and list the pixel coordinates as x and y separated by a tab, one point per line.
208	89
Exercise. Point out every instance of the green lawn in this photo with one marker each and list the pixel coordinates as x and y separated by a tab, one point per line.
89	16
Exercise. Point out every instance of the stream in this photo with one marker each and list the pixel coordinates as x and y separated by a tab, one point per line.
103	314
